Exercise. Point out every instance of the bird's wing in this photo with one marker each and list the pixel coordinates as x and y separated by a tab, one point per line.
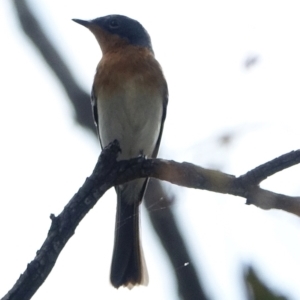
95	112
164	113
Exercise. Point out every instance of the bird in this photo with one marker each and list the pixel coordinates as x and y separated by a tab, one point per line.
129	102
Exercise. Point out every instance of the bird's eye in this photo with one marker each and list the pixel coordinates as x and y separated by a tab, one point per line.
114	23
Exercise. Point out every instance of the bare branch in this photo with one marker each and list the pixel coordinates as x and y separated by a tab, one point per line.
192	176
159	206
109	172
63	227
262	172
268	200
80	100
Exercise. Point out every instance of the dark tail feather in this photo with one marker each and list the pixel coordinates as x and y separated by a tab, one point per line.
128	266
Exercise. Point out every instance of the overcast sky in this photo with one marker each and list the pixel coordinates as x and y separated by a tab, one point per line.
203	47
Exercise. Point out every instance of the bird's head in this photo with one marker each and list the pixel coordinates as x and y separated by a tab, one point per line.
115	31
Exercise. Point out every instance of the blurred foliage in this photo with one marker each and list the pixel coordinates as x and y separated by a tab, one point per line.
257	289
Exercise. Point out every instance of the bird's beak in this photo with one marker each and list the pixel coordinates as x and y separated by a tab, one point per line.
82	22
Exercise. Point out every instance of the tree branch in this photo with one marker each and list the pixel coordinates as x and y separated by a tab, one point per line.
262	172
109	172
63	227
80	99
192	176
159	206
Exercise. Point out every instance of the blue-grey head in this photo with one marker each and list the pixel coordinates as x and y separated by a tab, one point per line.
127	29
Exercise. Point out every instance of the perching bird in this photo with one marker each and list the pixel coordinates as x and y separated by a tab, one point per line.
129	101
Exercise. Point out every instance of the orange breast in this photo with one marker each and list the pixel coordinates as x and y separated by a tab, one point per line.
118	69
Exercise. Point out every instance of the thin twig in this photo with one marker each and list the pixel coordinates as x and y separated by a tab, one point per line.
262	172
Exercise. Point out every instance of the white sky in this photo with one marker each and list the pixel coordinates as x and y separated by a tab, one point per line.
202	47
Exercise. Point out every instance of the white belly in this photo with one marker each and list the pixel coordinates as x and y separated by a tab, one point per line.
133	117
